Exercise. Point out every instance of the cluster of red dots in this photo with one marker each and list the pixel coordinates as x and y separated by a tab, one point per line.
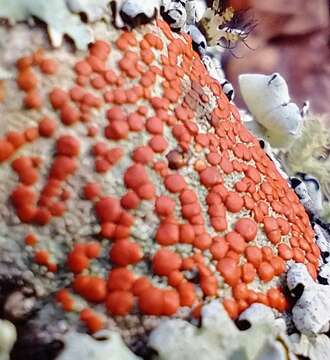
31	208
238	258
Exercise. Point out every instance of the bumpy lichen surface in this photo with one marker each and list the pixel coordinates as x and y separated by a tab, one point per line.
131	186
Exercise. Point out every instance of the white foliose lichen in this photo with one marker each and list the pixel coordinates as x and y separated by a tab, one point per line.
322	240
213	67
175	14
104	345
310	314
94	9
64	23
314	189
8	338
68	21
198	39
5	74
195	10
313	348
134	11
218	338
257	313
324	273
301	190
274	111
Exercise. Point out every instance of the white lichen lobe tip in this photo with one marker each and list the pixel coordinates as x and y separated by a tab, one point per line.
218	338
134	8
257	313
267	98
298	275
311	312
104	345
8	338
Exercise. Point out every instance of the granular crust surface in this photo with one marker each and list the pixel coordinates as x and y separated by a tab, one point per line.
131	187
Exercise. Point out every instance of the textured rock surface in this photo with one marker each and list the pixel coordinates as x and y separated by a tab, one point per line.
130	191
